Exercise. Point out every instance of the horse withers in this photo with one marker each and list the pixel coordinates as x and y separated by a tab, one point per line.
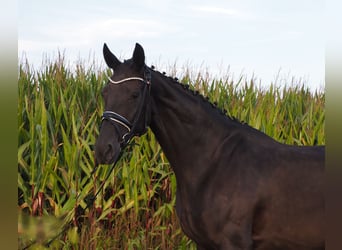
237	188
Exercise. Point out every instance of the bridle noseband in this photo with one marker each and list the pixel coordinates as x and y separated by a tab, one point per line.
115	118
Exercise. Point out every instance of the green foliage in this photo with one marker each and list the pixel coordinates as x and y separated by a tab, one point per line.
58	118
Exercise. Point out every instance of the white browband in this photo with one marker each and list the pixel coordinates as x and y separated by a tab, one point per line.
125	80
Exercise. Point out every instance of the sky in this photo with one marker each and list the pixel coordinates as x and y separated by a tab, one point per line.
271	41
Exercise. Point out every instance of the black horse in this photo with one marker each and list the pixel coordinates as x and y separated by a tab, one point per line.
237	188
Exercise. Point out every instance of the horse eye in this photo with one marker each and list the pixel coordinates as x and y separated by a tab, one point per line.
135	95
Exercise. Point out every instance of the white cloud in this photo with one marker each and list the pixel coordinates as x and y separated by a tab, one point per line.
84	33
123	28
223	11
217	10
87	33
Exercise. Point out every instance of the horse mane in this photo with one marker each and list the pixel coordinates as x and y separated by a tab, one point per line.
197	94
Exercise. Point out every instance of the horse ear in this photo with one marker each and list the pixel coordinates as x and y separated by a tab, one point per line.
111	60
138	56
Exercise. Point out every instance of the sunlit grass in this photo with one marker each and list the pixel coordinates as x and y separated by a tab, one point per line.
59	113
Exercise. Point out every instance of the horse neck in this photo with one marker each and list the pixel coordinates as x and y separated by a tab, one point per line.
187	127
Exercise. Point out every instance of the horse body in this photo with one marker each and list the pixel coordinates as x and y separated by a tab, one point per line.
244	189
236	187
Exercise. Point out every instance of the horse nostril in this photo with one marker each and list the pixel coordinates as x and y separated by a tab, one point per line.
109	148
106	151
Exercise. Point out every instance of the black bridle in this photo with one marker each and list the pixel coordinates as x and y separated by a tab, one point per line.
117	119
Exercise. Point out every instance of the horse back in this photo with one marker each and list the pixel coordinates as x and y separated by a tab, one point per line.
289	210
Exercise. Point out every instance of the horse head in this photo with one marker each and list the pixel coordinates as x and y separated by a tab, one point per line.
126	104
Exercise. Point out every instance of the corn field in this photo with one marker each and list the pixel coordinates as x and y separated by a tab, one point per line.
59	113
